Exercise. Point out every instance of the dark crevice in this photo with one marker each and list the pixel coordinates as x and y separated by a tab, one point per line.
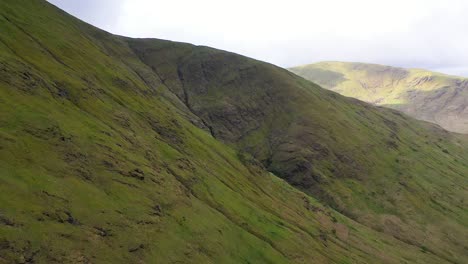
186	100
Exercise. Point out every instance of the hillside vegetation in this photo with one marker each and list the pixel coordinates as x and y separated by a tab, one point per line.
118	150
376	166
425	95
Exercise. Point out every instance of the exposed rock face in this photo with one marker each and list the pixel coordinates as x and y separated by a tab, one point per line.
425	95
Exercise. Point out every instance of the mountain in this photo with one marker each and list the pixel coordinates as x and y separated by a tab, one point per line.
119	150
425	95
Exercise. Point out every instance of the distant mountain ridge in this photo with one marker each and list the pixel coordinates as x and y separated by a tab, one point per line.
425	95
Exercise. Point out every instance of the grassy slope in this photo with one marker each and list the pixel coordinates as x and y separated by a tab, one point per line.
429	96
399	176
100	163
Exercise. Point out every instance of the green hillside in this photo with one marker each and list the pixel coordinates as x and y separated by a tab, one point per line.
425	95
382	169
117	150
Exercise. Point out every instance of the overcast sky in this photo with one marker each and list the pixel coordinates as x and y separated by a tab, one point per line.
431	34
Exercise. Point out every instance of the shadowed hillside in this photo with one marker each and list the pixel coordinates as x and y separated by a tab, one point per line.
375	165
116	150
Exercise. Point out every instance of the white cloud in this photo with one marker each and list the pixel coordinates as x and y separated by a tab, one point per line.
410	33
101	13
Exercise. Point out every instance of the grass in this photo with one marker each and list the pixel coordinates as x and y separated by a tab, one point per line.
106	158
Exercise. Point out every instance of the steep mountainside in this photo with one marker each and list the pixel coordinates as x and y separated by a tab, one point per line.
385	170
117	150
429	96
